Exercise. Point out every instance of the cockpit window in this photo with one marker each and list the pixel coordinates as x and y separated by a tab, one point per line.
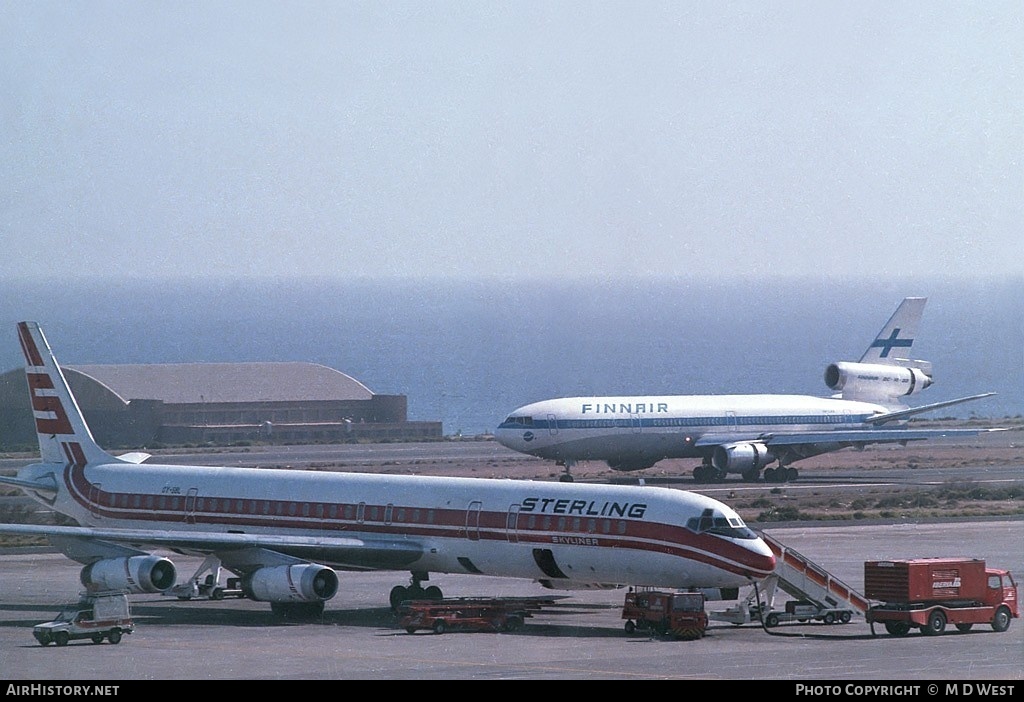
521	421
712	521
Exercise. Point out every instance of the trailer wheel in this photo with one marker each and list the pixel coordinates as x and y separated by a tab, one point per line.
936	623
61	638
114	636
845	617
897	628
1001	622
440	627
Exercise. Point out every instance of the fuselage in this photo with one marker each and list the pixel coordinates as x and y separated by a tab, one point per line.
539	530
623	430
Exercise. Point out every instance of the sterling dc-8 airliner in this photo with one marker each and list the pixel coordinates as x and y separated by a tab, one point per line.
286	533
742	433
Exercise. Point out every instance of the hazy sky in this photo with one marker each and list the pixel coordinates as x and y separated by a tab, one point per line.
458	139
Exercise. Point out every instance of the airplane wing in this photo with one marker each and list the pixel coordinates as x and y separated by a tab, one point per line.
338	552
850	437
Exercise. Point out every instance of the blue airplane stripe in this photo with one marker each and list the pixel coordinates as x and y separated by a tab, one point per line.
683	422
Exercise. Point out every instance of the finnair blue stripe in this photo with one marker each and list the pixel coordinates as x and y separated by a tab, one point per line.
661	422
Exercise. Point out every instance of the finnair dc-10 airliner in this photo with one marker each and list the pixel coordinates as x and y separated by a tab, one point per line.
742	433
286	533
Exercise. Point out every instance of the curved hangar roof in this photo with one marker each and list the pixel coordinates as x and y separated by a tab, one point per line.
183	383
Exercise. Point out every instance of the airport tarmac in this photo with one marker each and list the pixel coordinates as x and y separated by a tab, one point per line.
577	638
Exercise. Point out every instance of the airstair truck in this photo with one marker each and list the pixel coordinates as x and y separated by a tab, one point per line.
929	593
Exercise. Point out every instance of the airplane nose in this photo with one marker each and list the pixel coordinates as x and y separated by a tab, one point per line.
761	560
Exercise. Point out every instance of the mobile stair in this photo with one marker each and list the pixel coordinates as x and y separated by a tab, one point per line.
817	594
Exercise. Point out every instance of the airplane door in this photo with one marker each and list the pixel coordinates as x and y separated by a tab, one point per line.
190	505
730	421
635	423
473	520
512	524
552	425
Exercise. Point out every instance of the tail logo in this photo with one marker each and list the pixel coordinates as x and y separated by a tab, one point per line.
50	415
893	341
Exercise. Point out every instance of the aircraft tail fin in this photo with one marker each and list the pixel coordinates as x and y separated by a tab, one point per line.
892	345
64	437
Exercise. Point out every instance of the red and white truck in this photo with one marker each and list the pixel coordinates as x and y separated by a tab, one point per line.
677	614
930	593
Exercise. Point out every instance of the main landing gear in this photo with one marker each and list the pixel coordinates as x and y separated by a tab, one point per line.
567	465
782	474
415	591
707	473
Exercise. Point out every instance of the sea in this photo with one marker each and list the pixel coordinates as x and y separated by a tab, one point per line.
468	352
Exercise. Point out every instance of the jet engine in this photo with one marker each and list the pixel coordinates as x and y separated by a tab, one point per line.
741	457
875	380
307	582
136	574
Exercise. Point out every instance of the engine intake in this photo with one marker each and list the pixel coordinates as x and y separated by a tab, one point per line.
741	457
136	574
875	380
307	582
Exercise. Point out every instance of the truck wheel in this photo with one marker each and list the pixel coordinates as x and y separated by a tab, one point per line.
630	626
830	618
97	638
61	638
897	628
410	630
964	627
45	641
513	624
1001	622
114	636
845	617
936	623
440	627
772	620
217	594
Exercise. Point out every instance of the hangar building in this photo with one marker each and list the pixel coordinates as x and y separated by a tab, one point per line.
132	406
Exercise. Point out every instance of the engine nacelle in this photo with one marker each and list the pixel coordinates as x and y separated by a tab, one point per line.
741	457
875	380
136	574
306	582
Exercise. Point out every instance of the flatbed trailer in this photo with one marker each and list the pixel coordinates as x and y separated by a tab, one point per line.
468	613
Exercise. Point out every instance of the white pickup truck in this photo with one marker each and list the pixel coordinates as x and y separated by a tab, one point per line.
97	616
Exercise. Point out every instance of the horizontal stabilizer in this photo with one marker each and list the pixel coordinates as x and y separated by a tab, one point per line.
902	414
47	486
135	457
